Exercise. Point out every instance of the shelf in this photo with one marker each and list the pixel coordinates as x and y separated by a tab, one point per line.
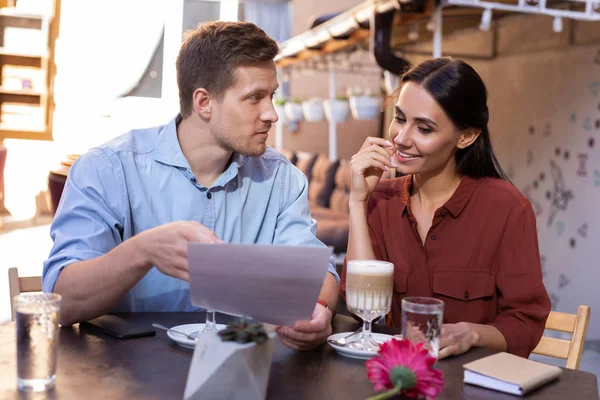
16	19
8	57
24	131
29	96
10	12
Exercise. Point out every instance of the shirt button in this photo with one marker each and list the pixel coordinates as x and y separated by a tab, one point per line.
433	237
209	195
443	213
193	180
466	295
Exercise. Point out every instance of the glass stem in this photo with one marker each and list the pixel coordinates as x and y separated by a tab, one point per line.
366	330
210	320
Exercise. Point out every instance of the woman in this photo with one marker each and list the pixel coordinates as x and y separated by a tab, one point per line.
453	226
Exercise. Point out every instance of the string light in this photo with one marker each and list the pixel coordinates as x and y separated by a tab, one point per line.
414	32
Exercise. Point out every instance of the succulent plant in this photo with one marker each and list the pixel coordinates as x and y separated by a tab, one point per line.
243	332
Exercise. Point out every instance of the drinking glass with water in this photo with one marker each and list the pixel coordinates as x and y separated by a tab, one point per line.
422	322
37	340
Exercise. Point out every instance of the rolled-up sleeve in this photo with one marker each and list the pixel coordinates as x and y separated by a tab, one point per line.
523	304
295	226
89	219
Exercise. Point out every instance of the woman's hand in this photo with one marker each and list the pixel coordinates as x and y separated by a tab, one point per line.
374	157
457	339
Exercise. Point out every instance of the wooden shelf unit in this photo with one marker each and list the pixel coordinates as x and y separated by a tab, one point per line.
27	74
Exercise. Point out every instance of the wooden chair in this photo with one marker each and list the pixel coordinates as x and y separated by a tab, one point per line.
18	285
570	350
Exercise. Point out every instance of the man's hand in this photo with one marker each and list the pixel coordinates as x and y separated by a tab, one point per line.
165	246
457	339
306	335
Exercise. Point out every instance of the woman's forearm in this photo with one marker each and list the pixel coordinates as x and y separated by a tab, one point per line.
359	240
490	337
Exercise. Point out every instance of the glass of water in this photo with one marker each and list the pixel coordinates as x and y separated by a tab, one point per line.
37	340
422	322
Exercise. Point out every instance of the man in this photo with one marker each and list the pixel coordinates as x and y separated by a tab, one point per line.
130	206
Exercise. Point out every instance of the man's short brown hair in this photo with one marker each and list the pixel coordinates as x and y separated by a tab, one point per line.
210	55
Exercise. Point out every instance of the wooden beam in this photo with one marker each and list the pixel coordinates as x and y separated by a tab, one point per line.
332	46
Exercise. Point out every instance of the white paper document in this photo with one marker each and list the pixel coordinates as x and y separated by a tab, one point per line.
274	284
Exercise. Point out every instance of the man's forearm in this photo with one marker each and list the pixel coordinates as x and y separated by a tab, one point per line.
329	292
93	287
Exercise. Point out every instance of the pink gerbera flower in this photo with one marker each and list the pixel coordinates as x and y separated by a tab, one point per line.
404	367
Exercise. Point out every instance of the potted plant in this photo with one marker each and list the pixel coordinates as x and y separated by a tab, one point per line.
313	110
293	110
365	105
279	104
337	110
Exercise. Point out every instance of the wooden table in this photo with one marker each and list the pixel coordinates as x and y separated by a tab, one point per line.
94	366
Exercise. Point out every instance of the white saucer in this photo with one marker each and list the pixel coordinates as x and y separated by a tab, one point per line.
183	341
359	354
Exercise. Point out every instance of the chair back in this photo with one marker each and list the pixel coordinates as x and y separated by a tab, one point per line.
17	285
570	350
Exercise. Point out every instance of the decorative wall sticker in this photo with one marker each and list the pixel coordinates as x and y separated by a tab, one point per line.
582	168
560	228
563	281
572	243
510	171
531	130
594	87
566	155
587	124
591	142
554	300
529	157
543	264
598	124
559	196
557	151
537	207
547	130
573	117
583	230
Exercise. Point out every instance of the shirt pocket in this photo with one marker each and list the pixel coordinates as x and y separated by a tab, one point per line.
468	295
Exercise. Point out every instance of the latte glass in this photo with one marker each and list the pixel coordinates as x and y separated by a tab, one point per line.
369	286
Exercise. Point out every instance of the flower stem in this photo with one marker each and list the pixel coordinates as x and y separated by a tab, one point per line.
387	394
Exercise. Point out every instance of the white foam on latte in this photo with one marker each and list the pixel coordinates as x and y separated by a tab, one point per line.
369	267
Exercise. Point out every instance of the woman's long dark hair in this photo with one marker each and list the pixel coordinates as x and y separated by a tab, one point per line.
459	90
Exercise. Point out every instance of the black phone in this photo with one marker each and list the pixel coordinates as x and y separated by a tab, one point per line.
118	327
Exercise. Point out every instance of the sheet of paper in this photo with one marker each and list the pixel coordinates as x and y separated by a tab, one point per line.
274	284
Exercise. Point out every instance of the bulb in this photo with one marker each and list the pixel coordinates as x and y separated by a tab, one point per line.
430	25
414	32
533	3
